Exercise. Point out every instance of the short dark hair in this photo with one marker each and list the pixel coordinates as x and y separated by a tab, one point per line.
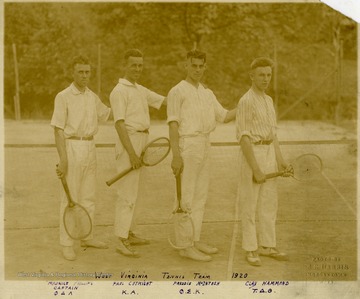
196	54
261	62
80	59
132	53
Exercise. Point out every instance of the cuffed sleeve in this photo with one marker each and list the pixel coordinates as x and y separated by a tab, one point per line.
243	118
118	104
59	116
173	106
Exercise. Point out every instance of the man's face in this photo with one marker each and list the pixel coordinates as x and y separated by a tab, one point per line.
134	67
195	68
81	75
261	77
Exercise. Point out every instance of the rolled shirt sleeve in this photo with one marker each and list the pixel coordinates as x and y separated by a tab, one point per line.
118	105
59	115
173	106
243	118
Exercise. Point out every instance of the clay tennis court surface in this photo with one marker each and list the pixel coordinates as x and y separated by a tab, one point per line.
316	222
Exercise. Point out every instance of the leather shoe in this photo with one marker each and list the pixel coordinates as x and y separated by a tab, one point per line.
135	240
205	248
94	243
194	254
125	248
252	258
69	253
273	253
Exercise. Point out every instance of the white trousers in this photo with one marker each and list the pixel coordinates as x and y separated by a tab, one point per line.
258	197
194	183
81	179
126	209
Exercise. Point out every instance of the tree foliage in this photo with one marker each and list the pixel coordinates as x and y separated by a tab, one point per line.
303	38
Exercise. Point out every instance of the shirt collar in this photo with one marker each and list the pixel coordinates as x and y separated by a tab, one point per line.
199	87
75	91
258	94
127	82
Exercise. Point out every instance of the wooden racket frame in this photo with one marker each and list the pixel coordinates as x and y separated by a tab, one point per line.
285	173
126	171
71	205
179	210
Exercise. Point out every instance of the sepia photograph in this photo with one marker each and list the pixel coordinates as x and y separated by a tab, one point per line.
179	149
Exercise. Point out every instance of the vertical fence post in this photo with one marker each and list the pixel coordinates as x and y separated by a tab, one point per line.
341	54
99	70
275	80
17	88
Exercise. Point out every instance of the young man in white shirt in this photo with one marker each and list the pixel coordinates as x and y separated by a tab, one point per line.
75	120
259	154
193	111
130	105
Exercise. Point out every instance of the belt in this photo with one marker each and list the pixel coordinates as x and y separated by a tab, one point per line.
263	142
144	131
81	138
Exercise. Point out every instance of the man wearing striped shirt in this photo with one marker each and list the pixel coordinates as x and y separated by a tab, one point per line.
259	154
192	114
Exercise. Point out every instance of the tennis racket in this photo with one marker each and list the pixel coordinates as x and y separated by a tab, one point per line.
180	224
153	153
305	167
77	221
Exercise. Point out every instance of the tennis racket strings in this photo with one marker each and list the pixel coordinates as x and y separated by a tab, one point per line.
182	232
77	222
156	151
181	226
76	219
306	167
153	153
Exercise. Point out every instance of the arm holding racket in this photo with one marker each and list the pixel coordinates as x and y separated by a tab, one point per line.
153	153
177	163
279	173
61	168
283	166
305	167
125	140
247	149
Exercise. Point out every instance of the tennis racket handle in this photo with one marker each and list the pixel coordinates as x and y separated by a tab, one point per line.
178	187
67	191
274	174
66	187
118	177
